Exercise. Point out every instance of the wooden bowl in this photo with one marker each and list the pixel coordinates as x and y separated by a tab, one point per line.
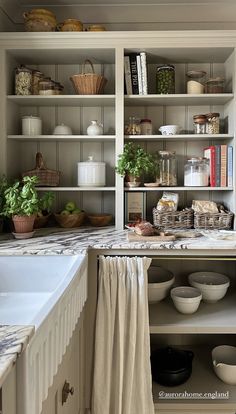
100	220
70	220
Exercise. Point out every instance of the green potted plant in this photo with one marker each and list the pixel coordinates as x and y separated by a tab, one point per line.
44	213
3	187
22	203
132	163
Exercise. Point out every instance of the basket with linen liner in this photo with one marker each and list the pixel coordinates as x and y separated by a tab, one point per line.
221	221
88	83
173	220
48	178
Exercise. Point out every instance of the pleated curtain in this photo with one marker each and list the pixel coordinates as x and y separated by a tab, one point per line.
122	374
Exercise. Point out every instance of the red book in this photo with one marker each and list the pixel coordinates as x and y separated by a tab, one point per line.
210	153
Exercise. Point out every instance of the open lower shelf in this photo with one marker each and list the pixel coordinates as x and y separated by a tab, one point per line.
63	100
180	137
178	189
76	189
218	318
178	99
203	383
62	137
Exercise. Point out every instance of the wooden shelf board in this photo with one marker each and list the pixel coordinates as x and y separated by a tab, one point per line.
61	189
178	99
202	381
218	318
178	189
62	137
63	100
180	137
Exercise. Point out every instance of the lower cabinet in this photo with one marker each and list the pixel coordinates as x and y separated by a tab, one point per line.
66	394
8	393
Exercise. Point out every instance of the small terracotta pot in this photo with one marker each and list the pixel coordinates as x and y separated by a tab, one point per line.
132	181
23	224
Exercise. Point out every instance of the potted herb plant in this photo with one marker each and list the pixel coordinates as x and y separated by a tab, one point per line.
132	163
44	213
3	187
22	203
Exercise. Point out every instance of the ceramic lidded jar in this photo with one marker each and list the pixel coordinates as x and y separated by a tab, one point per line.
91	173
95	128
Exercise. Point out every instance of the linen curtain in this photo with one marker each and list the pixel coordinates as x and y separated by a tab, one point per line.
122	381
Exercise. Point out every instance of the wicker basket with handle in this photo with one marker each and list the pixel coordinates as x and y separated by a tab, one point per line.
220	221
88	83
173	220
49	178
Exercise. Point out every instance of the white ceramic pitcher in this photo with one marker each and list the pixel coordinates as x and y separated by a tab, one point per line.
95	128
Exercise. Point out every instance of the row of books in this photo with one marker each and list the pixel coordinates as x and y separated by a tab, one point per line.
135	69
221	165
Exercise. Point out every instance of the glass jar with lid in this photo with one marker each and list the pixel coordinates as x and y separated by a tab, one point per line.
213	123
215	85
167	168
23	80
199	124
58	88
196	172
133	127
195	81
36	77
146	126
46	87
166	79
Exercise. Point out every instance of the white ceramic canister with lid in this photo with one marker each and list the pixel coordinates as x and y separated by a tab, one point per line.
91	173
31	125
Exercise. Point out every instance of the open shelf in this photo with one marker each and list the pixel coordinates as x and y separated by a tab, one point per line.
60	189
62	137
178	99
178	189
180	137
203	383
63	100
219	317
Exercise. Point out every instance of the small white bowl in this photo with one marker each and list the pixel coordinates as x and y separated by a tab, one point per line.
169	129
224	363
186	299
159	283
212	285
62	130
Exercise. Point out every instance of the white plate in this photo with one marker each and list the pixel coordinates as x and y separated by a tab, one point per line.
220	234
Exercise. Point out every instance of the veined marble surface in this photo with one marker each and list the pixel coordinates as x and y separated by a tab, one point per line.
13	340
77	241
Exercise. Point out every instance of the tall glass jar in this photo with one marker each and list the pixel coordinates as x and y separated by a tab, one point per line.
23	81
196	172
168	168
133	127
146	126
199	124
195	81
166	79
36	77
213	123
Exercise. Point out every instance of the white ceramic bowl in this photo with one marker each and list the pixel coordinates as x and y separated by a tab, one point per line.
159	283
224	363
186	299
169	129
212	285
62	130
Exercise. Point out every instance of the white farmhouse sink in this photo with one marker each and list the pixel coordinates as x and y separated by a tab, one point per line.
31	285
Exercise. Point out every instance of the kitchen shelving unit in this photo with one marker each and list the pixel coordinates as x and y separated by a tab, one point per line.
60	55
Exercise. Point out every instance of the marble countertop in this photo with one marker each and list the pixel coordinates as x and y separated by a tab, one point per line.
54	241
13	341
76	241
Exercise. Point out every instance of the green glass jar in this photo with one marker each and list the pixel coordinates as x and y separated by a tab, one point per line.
166	79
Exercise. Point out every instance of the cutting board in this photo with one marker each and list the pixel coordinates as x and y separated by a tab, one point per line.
133	237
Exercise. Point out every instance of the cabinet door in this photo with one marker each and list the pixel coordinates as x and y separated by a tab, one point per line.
9	393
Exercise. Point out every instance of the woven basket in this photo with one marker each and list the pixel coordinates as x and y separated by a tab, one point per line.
213	220
48	178
70	220
173	220
88	83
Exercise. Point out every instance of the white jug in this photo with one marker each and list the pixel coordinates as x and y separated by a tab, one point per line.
95	128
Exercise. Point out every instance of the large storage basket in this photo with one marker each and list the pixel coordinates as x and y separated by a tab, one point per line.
48	178
213	220
88	83
173	220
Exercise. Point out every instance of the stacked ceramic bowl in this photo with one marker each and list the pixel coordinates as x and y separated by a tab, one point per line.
159	283
186	299
213	286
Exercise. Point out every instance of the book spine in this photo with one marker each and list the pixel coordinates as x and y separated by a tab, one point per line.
217	164
143	59
128	81
223	165
209	153
230	167
139	70
134	74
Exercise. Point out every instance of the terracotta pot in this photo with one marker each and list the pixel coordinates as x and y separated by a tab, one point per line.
70	25
132	181
23	224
